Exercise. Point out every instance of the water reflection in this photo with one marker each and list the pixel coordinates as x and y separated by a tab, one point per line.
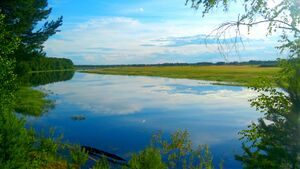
122	112
42	78
121	95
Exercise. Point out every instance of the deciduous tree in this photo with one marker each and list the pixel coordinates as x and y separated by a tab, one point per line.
273	141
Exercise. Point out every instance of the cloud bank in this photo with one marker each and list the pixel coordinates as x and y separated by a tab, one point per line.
143	34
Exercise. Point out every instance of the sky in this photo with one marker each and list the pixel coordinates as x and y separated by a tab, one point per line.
104	32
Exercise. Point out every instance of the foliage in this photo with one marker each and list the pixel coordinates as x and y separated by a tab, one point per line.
176	152
274	141
27	20
14	142
79	156
102	164
7	79
148	158
20	147
43	150
8	44
44	64
32	102
23	19
176	149
281	16
180	153
284	15
13	137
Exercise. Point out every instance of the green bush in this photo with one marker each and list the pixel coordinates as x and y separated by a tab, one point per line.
148	158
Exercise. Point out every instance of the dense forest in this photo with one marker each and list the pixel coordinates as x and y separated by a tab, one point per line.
44	64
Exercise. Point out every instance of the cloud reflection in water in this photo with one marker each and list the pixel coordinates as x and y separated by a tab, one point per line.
123	95
123	111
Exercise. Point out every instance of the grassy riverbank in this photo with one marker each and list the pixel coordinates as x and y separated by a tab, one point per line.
31	102
242	75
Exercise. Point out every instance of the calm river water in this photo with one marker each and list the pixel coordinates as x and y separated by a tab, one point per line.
122	112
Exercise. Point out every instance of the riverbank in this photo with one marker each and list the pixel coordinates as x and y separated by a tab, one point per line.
31	102
46	71
239	75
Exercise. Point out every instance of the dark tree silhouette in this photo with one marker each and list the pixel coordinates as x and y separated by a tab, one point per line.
23	19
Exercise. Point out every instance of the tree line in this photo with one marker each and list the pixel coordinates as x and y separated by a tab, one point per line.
44	64
251	62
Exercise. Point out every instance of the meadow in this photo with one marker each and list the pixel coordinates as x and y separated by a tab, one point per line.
238	75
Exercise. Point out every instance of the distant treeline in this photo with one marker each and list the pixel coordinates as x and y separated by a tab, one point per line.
44	64
251	62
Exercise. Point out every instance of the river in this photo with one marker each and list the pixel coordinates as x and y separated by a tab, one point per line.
122	112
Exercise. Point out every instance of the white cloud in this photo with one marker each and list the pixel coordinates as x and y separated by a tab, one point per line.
89	58
124	36
109	95
130	41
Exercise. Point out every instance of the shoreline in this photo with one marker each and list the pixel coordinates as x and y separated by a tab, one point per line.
233	75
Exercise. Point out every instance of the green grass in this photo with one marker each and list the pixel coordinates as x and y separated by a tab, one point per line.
31	102
241	75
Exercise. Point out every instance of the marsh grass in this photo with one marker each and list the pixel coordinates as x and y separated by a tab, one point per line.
241	75
32	102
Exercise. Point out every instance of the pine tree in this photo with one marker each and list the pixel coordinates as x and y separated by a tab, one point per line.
23	19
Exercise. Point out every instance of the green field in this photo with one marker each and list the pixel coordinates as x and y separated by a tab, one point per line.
241	75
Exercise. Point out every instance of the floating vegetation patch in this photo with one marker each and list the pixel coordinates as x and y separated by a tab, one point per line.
78	117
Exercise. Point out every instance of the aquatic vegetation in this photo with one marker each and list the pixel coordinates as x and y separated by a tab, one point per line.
32	102
78	117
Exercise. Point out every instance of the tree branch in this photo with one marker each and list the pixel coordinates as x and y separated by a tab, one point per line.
290	27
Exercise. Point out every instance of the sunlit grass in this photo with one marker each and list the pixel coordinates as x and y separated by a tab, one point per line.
31	102
243	75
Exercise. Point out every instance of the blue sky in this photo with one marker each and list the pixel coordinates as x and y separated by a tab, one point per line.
147	31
